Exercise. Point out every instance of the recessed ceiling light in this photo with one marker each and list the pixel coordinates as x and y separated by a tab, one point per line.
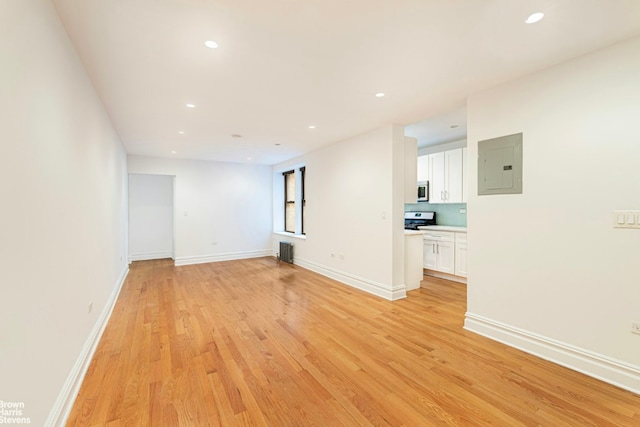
211	44
453	126
235	135
534	17
173	152
249	158
190	106
312	126
181	132
379	94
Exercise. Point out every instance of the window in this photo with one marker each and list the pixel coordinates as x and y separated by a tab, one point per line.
302	172
293	201
289	201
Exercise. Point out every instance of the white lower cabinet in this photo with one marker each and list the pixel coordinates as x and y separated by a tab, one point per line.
445	252
461	254
439	251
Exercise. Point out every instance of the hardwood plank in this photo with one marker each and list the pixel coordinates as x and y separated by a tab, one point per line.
257	343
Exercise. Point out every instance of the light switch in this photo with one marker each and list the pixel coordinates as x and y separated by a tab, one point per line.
620	219
631	219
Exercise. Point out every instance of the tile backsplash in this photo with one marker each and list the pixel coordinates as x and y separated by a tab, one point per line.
446	213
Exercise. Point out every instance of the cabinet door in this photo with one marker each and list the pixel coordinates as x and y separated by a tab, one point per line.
461	259
429	254
436	177
423	168
453	176
465	176
410	170
445	252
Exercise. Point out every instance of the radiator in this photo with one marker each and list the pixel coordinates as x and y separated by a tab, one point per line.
286	252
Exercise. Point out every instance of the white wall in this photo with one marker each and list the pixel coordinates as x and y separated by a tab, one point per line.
64	209
150	217
547	271
228	204
355	211
442	147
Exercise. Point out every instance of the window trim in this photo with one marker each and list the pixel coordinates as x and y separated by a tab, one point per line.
287	201
296	198
303	201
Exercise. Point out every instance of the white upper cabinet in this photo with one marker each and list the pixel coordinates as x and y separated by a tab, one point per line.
453	176
423	168
446	176
410	170
465	176
436	177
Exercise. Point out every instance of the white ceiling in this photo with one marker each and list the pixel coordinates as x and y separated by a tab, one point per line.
445	127
283	65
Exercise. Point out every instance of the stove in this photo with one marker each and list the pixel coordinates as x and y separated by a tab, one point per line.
413	220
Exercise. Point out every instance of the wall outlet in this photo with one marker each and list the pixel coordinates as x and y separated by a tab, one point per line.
90	307
626	219
342	257
635	328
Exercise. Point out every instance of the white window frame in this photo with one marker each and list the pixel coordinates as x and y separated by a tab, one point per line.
279	202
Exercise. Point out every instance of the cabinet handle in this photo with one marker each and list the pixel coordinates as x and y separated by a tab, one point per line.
433	248
442	195
446	194
438	248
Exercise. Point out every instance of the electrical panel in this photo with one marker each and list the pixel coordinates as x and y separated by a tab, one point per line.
500	165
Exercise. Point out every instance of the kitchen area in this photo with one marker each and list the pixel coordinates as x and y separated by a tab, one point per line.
435	199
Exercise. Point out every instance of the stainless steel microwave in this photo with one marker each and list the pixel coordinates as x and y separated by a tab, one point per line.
423	191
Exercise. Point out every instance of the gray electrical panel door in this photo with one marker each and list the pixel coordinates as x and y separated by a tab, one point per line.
500	165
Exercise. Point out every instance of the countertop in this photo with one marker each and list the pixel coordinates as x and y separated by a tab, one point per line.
413	233
444	228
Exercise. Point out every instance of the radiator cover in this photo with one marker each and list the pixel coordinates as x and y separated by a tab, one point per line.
286	252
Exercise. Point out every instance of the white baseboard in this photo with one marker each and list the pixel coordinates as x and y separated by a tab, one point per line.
447	276
150	255
609	370
64	403
189	260
361	283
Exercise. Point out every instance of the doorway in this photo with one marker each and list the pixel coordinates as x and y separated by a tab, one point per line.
151	217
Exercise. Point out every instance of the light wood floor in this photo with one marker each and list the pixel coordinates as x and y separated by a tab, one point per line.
256	343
